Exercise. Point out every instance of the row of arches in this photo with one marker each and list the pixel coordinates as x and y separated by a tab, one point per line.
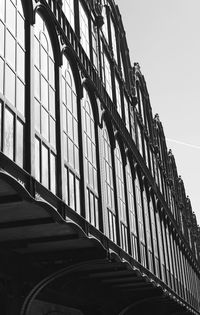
74	152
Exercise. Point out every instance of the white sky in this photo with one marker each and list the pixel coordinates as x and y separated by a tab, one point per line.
164	37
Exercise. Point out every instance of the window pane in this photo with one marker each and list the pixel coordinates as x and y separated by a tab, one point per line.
45	166
20	142
1	36
37	115
45	124
71	191
2	10
36	52
10	16
44	61
51	72
10	85
52	102
44	92
20	62
9	134
77	196
20	97
10	49
37	159
52	132
37	83
20	29
53	173
1	75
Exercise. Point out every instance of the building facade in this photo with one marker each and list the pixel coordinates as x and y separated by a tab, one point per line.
94	218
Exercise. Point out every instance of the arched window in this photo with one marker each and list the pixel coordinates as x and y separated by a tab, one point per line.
140	222
70	137
132	211
109	188
44	106
92	214
12	79
68	9
154	237
148	231
121	198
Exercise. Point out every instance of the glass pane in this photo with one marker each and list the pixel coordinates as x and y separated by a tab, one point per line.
20	29
44	92
70	152
1	75
69	124
37	83
71	191
10	49
2	10
1	36
10	16
20	142
51	72
37	159
36	52
44	60
37	115
52	132
10	85
9	134
20	97
52	101
53	173
45	124
45	166
77	196
20	62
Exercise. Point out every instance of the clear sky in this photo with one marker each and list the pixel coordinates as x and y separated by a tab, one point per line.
164	37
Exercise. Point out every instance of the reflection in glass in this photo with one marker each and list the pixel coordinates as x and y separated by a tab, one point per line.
9	134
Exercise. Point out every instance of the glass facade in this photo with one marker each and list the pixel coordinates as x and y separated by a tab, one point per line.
59	108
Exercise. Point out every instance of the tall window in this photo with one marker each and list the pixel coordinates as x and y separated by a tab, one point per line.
106	74
68	9
109	188
121	198
132	211
12	79
140	222
148	232
154	237
84	29
94	45
126	111
113	37
70	137
92	213
44	106
118	97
